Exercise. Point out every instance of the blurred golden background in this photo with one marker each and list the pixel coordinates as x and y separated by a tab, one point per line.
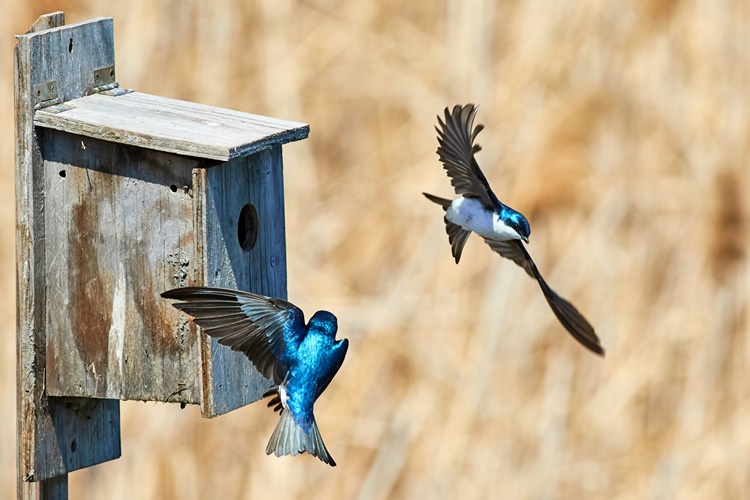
620	129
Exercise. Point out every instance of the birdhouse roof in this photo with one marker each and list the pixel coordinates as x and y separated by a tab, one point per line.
170	125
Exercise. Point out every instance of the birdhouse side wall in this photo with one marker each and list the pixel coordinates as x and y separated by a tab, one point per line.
229	379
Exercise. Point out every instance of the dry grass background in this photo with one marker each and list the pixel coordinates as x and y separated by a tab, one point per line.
621	129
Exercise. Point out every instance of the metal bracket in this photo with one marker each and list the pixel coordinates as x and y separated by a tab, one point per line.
104	79
45	94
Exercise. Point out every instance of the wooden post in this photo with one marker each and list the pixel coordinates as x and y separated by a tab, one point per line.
55	435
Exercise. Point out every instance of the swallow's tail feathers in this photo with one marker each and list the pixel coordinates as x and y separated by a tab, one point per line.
443	202
289	438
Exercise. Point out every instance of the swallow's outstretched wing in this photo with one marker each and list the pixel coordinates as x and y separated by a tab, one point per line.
266	329
566	313
456	151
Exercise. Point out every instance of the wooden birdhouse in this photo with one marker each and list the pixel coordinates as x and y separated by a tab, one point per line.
120	196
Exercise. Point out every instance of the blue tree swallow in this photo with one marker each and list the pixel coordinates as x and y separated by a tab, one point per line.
478	210
300	359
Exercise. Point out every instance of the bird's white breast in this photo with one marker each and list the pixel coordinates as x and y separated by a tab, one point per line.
470	214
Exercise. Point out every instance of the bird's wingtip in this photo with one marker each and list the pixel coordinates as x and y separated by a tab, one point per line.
170	294
443	202
591	344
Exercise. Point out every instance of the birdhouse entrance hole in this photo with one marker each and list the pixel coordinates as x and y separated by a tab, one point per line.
247	227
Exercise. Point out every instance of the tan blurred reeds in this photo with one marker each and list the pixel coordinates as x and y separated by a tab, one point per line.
621	130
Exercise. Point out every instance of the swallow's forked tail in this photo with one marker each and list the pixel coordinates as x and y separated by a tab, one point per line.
290	439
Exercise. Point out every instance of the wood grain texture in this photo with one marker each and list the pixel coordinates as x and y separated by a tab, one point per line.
170	125
119	233
229	379
70	54
55	488
48	21
45	424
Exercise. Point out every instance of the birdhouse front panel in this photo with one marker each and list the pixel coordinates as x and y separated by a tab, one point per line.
119	231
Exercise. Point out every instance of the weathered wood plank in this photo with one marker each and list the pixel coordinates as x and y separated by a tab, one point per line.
70	54
120	234
48	21
229	379
45	424
55	488
170	125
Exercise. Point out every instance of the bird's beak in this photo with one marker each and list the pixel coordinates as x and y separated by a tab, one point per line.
525	238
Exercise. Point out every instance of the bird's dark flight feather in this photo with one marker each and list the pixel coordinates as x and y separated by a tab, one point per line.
566	313
443	202
456	150
457	235
259	326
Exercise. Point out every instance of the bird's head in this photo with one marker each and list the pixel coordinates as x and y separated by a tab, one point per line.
516	221
325	322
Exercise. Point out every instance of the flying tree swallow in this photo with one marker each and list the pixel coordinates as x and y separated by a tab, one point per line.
478	210
301	359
